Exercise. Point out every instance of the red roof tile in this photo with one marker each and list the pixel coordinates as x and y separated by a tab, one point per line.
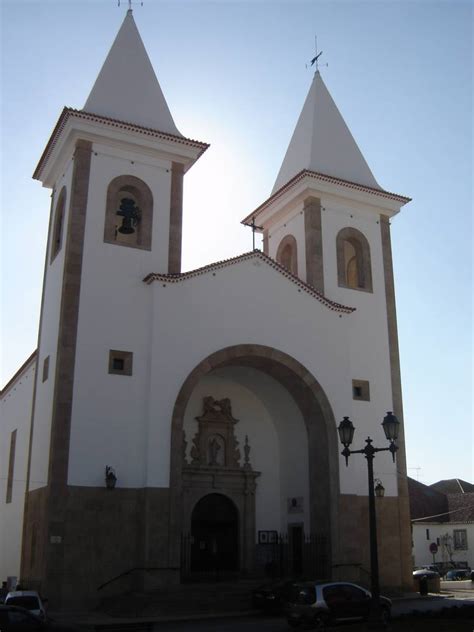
321	176
309	289
88	116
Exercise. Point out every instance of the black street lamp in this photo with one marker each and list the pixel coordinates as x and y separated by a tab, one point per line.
346	434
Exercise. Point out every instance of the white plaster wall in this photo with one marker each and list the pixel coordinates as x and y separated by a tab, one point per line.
277	436
421	543
293	225
16	404
368	350
110	412
250	302
48	343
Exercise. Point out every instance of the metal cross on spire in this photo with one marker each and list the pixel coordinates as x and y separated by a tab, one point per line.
254	228
314	61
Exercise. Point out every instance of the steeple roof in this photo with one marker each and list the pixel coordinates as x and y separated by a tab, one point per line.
323	143
126	88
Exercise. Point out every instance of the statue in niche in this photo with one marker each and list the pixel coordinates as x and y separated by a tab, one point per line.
216	454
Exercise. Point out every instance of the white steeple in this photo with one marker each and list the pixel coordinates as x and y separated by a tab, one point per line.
127	88
323	143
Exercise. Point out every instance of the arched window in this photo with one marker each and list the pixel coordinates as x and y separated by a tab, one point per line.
58	227
354	269
129	213
287	254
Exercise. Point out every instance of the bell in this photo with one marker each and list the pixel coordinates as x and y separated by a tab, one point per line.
126	228
130	214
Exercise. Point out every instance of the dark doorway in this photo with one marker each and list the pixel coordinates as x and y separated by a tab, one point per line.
214	531
296	548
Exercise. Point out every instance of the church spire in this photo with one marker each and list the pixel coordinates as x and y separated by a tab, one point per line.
323	143
127	88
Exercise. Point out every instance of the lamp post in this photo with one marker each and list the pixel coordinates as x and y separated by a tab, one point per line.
346	430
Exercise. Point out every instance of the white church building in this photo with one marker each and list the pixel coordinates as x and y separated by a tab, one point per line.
212	396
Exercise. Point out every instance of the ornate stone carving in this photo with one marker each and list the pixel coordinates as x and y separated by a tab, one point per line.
247	465
215	444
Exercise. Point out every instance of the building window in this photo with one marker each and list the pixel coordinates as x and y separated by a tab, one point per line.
287	254
354	269
361	390
45	369
427	534
460	539
129	213
120	362
58	226
11	467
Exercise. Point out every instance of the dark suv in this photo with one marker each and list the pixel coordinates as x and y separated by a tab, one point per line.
318	604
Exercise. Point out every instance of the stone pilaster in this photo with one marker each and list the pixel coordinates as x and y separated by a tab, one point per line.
313	243
176	219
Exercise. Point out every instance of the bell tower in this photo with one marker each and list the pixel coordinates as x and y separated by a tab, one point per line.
116	171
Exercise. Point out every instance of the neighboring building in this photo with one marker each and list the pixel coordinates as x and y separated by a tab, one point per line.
442	514
214	395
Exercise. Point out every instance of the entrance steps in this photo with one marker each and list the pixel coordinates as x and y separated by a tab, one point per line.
194	598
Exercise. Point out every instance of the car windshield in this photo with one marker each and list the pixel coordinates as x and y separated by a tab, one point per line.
28	602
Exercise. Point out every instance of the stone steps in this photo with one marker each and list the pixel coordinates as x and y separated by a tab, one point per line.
185	599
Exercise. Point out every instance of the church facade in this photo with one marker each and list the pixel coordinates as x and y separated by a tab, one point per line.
179	422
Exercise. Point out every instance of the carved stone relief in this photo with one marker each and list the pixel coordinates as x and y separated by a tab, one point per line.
215	444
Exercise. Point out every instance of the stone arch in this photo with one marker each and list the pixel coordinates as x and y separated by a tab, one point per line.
287	254
320	425
139	193
354	268
58	227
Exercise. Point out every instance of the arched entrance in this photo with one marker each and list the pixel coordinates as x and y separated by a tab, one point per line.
321	443
215	535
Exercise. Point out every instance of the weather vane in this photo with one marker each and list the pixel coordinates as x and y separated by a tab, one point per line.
314	61
130	4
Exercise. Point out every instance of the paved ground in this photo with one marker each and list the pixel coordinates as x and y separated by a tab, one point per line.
411	614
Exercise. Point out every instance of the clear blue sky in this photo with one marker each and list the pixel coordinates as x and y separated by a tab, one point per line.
234	75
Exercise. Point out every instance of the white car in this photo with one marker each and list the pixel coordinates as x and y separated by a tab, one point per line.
28	599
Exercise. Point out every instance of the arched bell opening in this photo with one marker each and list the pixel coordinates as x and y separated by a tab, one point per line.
214	535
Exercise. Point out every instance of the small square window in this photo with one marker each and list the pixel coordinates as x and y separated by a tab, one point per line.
120	362
361	390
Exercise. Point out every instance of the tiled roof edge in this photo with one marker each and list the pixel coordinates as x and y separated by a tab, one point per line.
322	176
309	289
89	116
17	373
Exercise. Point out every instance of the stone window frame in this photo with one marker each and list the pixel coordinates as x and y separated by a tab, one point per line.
58	226
11	467
288	240
144	197
45	369
363	260
126	357
460	539
364	387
